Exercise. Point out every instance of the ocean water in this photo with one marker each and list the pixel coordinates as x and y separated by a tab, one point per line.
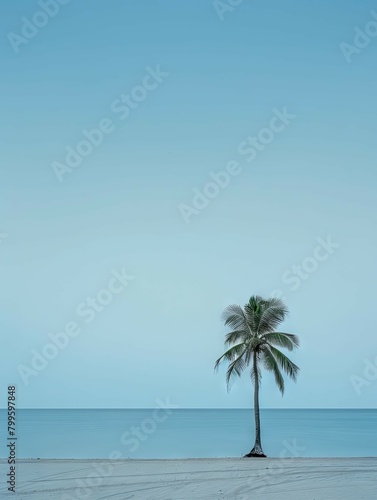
191	433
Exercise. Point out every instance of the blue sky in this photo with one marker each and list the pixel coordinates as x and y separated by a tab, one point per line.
61	242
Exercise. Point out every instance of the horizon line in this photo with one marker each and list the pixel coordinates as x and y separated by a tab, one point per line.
195	408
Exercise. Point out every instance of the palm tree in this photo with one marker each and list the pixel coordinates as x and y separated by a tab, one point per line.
253	341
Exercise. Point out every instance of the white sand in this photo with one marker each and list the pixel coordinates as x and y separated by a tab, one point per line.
239	479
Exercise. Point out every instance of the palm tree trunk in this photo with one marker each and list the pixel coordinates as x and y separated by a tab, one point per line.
257	450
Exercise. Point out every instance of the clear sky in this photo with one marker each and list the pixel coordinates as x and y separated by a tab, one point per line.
180	89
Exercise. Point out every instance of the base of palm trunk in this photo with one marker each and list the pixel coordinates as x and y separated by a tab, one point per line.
255	455
256	452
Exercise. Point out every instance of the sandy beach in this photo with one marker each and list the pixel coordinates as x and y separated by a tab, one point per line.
230	478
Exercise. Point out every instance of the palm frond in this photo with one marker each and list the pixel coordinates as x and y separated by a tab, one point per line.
252	319
274	312
253	310
271	365
236	336
234	317
280	339
252	346
235	369
285	363
255	301
231	354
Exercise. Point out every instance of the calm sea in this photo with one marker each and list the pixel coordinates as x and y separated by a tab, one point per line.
189	433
